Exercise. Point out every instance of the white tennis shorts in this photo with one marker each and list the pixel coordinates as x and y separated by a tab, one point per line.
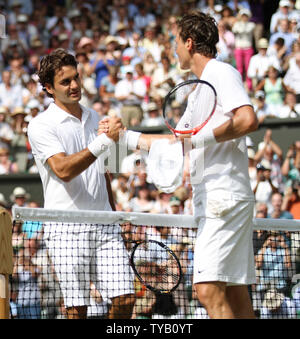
224	244
82	254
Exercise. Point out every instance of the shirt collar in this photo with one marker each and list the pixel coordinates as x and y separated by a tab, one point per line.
60	115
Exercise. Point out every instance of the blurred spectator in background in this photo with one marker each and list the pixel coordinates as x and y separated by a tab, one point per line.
274	88
290	109
291	166
7	166
270	151
131	94
6	132
142	202
285	34
153	116
277	306
163	80
10	95
260	62
19	197
261	108
243	30
283	12
19	144
276	211
292	77
226	41
291	200
257	10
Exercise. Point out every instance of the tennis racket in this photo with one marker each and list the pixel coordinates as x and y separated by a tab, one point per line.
189	106
156	266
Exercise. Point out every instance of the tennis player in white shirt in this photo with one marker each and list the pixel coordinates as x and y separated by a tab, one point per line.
69	156
222	197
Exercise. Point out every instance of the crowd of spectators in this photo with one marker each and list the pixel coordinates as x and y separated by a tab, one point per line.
127	63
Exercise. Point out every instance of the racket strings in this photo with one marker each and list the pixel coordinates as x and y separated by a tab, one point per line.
189	106
157	267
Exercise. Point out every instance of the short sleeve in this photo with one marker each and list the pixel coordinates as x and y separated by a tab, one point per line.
43	140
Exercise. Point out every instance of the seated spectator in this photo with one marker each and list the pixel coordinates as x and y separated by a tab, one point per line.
10	94
135	51
283	12
227	39
264	187
7	166
142	202
19	197
227	15
164	78
131	94
6	132
162	203
19	144
276	211
277	306
292	78
278	50
108	86
150	43
291	200
149	64
261	108
260	62
274	88
290	109
285	34
274	263
140	74
122	193
153	117
291	166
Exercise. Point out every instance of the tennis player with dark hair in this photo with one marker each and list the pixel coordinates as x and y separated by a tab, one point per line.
222	196
70	159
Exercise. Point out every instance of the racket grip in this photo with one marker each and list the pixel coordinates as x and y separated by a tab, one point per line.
100	144
204	138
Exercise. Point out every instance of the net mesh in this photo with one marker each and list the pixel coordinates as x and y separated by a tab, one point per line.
64	259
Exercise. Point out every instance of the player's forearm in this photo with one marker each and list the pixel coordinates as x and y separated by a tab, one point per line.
242	123
145	140
67	167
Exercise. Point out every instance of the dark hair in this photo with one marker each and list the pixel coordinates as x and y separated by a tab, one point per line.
202	29
51	64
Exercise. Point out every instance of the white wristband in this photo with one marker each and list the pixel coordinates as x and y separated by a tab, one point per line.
130	139
100	144
203	139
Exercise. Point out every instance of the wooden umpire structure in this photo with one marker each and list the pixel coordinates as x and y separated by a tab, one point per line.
6	261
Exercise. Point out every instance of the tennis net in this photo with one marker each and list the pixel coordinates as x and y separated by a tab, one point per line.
47	280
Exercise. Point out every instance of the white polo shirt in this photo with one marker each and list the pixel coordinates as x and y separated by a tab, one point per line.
225	165
55	131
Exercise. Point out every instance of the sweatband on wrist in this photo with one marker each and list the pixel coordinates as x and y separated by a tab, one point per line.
100	144
130	139
204	138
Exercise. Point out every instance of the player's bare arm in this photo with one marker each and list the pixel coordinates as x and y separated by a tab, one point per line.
67	167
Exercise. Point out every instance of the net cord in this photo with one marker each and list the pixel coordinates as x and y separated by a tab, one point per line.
147	219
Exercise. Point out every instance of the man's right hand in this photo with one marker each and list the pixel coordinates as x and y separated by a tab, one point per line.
112	127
